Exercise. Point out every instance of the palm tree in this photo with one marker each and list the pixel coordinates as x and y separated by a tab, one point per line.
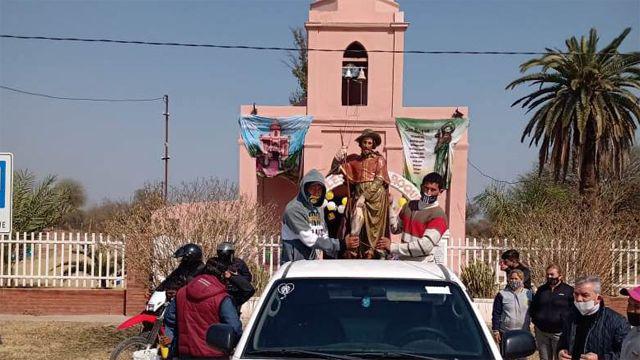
37	206
586	112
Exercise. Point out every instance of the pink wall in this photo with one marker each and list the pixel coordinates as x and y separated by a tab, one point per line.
377	25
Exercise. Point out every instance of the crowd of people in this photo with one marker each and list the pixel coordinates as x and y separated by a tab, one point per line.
570	323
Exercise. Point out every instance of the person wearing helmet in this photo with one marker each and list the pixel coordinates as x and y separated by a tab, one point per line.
191	264
235	273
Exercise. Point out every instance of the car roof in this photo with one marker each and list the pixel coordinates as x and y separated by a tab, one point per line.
360	269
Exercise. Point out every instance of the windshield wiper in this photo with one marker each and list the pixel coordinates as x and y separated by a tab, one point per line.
392	354
304	353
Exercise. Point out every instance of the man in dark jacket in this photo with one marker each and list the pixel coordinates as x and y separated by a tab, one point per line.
200	304
511	258
236	274
593	331
551	306
191	264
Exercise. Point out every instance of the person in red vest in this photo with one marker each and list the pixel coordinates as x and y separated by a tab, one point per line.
200	304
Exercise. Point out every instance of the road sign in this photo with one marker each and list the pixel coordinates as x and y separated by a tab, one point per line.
6	187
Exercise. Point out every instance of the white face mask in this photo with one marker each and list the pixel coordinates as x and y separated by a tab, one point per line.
587	307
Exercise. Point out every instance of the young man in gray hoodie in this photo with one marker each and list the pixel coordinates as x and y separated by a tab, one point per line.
303	226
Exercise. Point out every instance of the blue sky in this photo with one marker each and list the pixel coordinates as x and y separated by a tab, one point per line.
114	148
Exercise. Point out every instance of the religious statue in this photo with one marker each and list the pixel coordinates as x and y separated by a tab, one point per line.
441	151
368	181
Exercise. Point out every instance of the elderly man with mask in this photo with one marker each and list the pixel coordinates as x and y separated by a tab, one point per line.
593	331
631	344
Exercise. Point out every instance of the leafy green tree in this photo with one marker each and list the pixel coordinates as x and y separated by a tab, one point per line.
585	110
77	197
96	217
297	62
37	206
506	207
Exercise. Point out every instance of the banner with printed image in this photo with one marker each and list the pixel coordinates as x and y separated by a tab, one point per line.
276	143
428	146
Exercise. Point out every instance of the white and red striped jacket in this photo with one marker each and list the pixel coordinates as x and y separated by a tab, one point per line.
421	226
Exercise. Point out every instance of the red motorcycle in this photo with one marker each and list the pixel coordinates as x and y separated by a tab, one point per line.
142	346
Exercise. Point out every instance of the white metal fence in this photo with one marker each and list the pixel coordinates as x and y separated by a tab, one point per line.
84	260
61	260
459	253
624	269
269	255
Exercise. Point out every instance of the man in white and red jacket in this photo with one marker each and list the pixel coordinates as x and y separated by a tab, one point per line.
421	222
200	304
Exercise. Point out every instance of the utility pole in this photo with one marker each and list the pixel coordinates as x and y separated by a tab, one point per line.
165	184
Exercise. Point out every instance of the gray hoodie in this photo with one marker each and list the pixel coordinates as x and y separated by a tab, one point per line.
303	226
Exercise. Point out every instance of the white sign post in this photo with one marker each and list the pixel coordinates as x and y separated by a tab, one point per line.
6	187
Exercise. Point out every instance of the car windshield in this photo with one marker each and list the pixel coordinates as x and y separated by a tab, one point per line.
366	318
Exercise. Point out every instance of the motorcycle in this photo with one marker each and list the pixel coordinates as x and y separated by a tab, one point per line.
146	345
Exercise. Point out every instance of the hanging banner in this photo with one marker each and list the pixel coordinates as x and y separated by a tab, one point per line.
276	143
428	146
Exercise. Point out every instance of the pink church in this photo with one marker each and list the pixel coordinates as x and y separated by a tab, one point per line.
342	108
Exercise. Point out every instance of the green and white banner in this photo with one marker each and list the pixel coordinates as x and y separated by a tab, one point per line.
428	146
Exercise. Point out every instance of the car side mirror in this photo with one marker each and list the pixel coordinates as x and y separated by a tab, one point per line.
517	344
222	337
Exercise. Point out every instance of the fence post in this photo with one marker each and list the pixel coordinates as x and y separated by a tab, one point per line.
39	258
46	260
100	261
271	256
84	260
123	274
70	261
93	258
2	237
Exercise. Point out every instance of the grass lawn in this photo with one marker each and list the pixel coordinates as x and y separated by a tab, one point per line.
58	340
63	340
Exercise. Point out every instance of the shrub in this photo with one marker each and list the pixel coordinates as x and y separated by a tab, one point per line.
204	212
479	278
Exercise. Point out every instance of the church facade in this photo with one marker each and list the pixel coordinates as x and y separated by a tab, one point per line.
352	90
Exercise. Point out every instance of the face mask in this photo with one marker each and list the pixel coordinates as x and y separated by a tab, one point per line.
553	281
634	318
587	307
515	284
313	199
428	199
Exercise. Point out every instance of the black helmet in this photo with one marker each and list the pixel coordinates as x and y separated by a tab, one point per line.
189	253
225	252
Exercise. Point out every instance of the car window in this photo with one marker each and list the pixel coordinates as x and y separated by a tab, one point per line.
347	316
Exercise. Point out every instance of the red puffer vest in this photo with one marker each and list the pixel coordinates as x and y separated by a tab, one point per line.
198	306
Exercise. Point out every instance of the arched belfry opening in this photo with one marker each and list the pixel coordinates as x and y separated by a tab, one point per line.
355	75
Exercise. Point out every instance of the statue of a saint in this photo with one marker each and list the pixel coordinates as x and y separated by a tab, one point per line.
441	150
366	175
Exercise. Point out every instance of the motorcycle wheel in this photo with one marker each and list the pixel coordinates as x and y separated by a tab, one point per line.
124	350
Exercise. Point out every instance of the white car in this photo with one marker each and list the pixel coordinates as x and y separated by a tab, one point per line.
367	309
